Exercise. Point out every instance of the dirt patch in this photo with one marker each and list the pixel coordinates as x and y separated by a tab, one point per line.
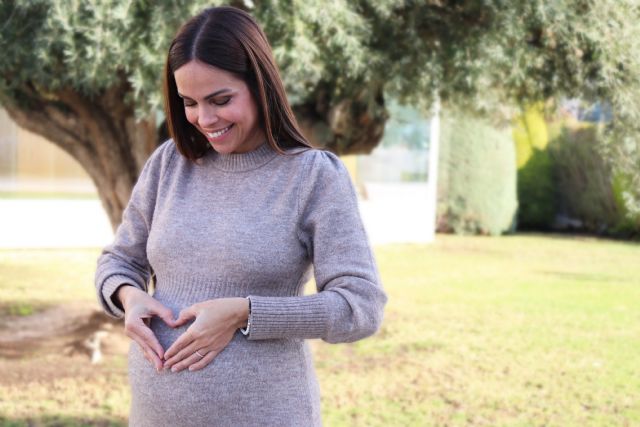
69	329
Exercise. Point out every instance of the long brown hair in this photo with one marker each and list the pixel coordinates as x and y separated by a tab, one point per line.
231	40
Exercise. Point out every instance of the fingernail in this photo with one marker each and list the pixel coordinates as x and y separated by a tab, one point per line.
174	369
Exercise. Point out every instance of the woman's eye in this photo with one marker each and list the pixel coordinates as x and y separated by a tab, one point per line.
218	101
222	101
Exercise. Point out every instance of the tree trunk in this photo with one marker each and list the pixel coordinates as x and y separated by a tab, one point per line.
100	132
351	126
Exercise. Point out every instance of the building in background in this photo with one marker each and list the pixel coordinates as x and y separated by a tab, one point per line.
31	164
393	181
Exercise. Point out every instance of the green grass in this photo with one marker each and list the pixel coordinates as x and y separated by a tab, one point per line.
512	331
31	280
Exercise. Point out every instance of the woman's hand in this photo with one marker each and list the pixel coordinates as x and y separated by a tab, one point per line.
139	307
215	323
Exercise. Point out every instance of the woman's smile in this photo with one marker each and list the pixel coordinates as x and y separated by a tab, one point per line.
217	134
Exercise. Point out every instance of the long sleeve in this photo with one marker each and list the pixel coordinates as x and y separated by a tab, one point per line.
350	299
125	260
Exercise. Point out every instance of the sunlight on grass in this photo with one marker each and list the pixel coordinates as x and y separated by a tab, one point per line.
33	279
514	331
510	331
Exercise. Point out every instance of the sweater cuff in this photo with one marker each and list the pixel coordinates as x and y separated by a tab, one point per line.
109	288
288	317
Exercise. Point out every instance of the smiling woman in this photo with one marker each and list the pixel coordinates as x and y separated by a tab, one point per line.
232	216
220	106
225	51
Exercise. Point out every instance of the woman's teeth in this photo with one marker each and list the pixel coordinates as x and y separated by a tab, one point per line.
218	133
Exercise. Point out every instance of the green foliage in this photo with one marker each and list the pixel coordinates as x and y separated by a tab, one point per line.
469	52
536	192
583	179
89	45
587	188
629	222
477	177
621	148
568	176
536	189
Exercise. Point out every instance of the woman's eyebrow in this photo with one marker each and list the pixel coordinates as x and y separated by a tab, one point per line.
211	95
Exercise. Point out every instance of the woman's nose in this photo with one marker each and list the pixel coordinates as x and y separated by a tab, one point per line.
207	117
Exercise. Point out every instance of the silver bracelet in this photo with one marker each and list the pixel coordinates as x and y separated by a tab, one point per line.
245	331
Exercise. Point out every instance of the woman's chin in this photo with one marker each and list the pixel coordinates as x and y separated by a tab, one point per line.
222	148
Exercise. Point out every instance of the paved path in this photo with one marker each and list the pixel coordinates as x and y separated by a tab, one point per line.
53	223
392	213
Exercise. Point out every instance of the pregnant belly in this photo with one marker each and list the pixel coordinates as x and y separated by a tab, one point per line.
248	381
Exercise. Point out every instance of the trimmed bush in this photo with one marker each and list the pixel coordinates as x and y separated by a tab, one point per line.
586	186
477	177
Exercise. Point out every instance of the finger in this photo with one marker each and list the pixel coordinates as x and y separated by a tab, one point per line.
147	336
134	334
188	361
183	341
204	361
164	313
183	354
136	327
185	315
167	317
151	357
144	353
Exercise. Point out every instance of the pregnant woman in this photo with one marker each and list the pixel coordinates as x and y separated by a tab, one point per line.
231	217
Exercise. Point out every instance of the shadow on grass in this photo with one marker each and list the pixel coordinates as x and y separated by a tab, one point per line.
576	236
60	421
588	277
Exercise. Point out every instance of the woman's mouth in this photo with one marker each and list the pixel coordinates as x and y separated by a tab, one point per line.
218	133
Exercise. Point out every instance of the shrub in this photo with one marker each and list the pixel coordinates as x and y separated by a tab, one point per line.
477	177
536	189
587	188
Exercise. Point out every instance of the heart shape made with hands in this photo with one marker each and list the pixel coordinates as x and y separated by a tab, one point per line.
214	324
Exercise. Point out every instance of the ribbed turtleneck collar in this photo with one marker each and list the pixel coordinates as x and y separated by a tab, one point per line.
242	161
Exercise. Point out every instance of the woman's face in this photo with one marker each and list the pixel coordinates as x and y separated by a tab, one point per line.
220	106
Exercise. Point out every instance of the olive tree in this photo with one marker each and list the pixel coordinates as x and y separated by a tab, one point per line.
86	74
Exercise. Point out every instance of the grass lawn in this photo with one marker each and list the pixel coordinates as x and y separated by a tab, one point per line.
512	331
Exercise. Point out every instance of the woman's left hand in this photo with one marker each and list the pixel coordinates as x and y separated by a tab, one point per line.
215	323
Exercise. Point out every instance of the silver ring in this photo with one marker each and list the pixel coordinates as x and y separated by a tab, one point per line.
198	353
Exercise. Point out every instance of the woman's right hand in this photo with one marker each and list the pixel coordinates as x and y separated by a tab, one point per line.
139	307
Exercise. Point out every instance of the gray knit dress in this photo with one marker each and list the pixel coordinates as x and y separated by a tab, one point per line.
256	224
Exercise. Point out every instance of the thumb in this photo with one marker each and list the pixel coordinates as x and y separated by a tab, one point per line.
185	315
165	314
